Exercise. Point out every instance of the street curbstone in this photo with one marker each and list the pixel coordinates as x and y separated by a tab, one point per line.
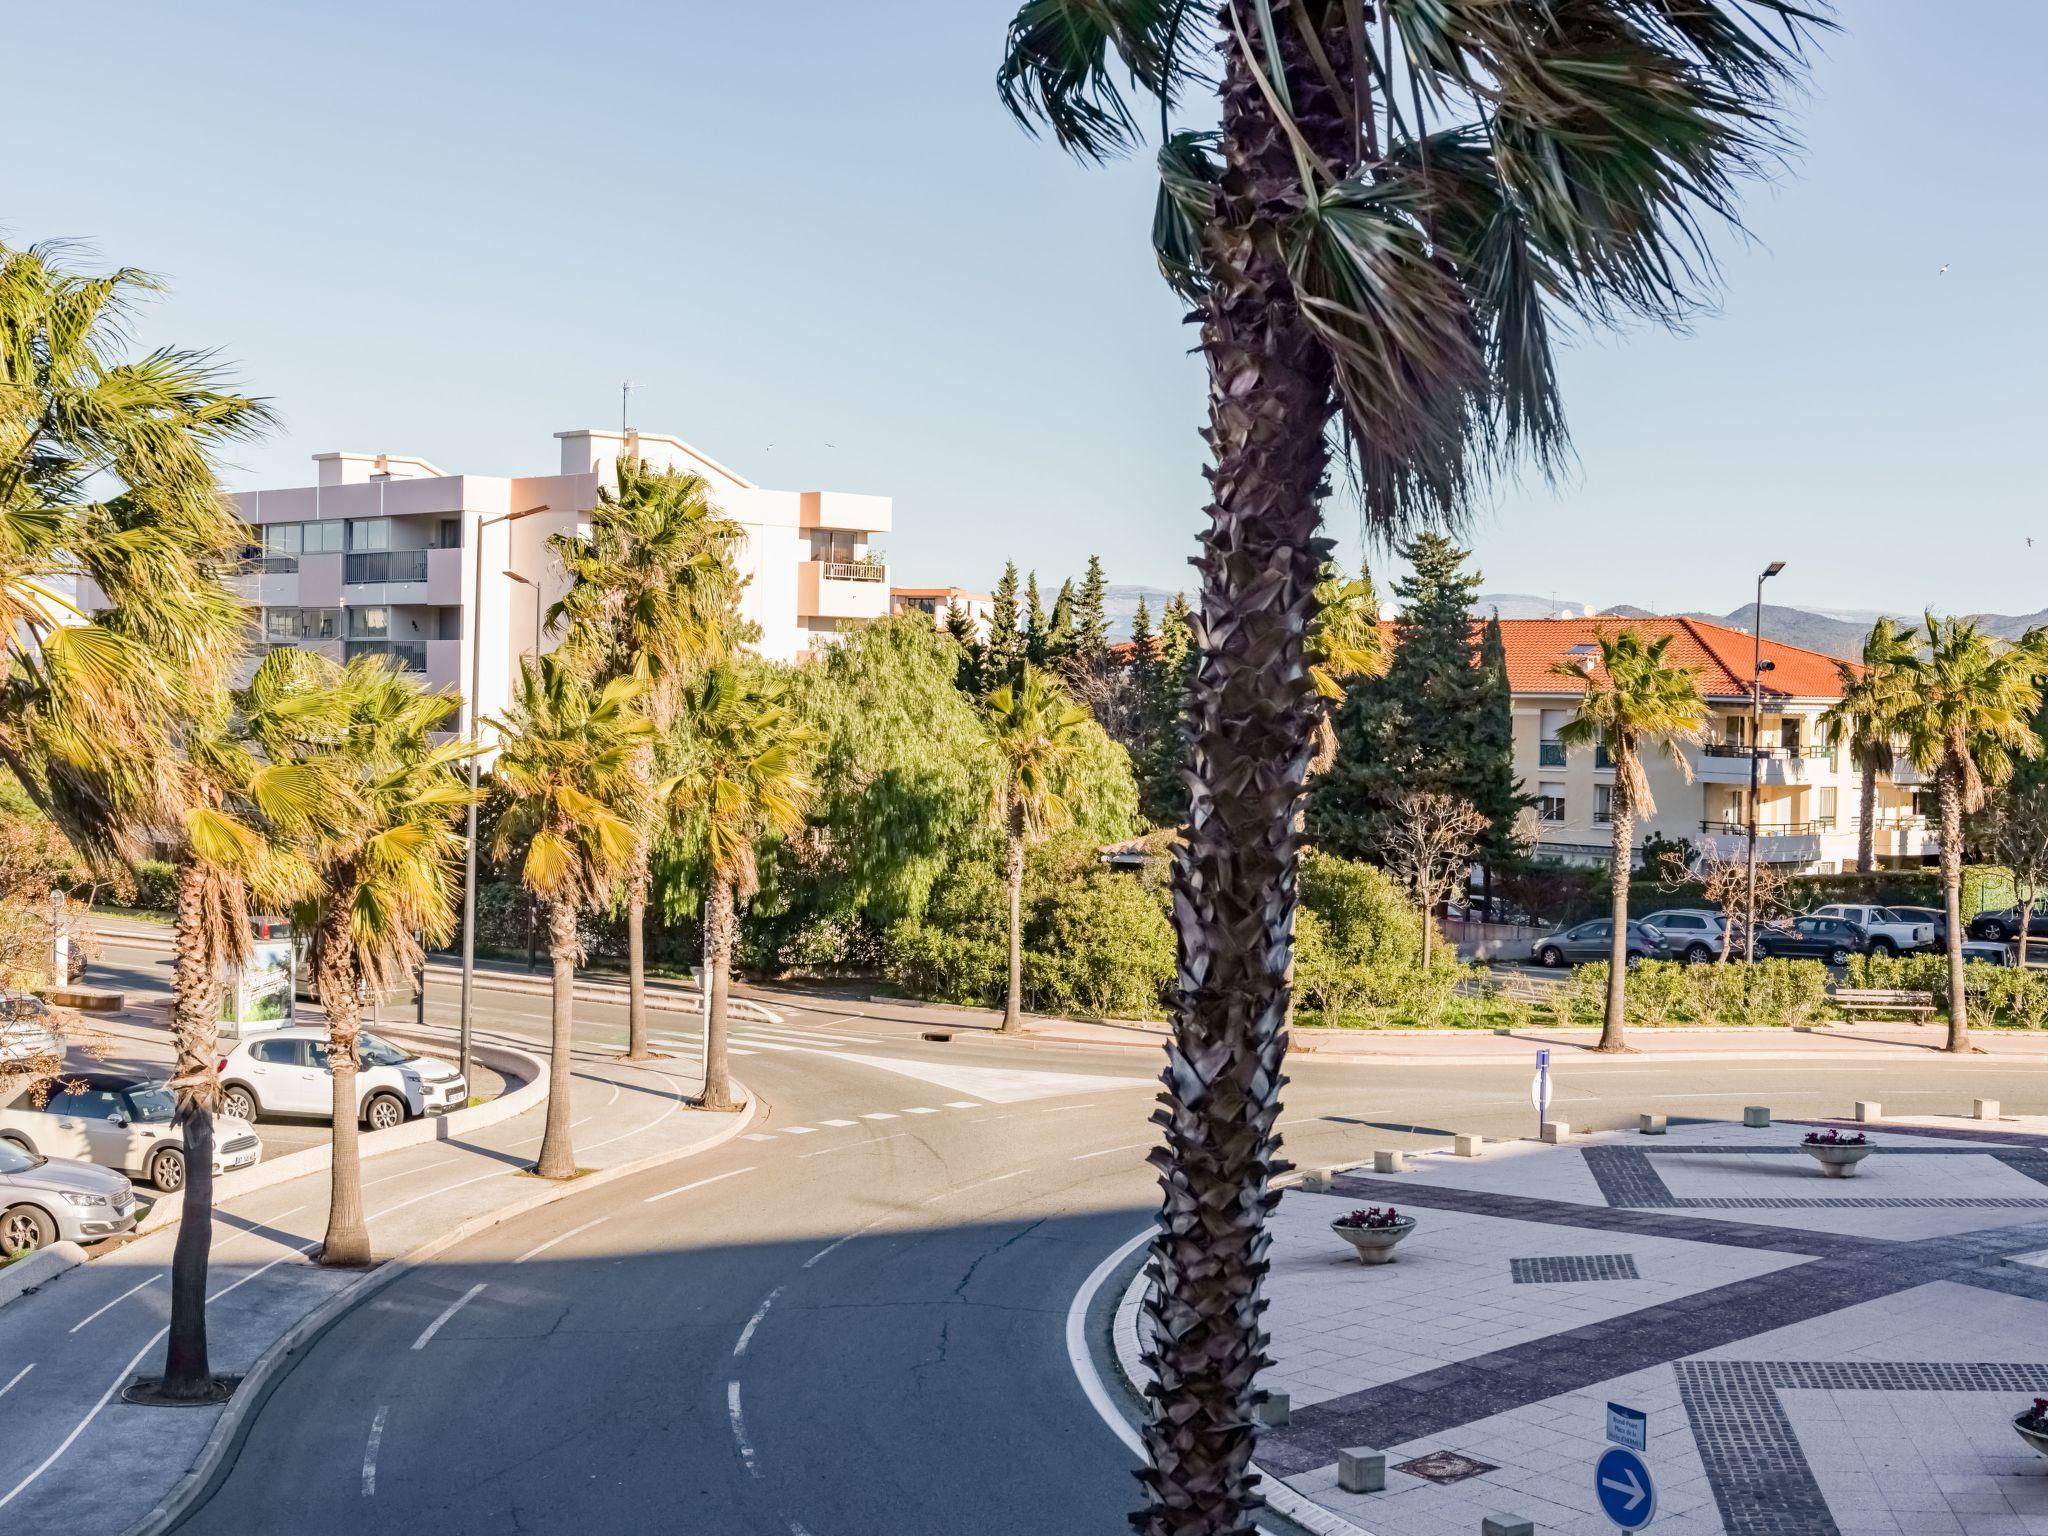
39	1269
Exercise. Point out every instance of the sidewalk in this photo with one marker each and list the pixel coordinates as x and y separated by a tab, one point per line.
77	1458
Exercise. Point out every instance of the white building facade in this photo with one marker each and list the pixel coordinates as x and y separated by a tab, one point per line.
388	555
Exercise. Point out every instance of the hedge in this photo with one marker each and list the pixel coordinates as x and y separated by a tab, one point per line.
1768	993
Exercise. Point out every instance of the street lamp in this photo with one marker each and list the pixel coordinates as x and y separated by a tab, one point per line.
515	576
1758	666
476	663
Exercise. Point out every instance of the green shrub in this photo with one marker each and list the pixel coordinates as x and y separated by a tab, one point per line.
1100	947
1769	993
945	967
156	885
1358	954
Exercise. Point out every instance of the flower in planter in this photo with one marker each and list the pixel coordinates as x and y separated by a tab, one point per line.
1832	1138
1372	1218
2036	1417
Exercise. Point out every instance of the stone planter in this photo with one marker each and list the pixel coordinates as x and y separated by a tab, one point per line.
2037	1438
1375	1245
1840	1162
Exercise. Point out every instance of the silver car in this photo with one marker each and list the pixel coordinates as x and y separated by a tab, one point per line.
45	1199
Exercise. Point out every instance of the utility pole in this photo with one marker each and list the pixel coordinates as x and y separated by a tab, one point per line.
625	413
1756	731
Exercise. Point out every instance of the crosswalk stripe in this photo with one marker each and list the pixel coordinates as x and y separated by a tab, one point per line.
781	1032
835	1122
963	1104
759	1136
920	1110
799	1130
880	1114
765	1045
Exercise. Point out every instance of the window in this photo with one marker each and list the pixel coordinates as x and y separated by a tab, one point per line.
835	545
1550	754
1550	802
369	623
1827	802
152	1105
289	626
369	533
276	1053
283	543
1603	802
1735	730
448	624
449	534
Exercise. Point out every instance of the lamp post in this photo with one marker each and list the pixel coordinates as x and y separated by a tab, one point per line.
476	661
515	576
1756	731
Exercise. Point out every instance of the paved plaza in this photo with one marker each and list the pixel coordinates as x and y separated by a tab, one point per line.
1815	1357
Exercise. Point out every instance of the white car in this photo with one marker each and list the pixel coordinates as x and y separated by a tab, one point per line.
120	1121
285	1073
1890	932
1693	934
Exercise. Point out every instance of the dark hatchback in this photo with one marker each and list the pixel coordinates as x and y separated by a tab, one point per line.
1813	938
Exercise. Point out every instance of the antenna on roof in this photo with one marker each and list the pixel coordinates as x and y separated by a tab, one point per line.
625	395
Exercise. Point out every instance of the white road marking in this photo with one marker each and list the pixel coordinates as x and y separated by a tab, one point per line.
836	1124
747	1333
1083	1362
534	1253
800	1130
834	1247
370	1450
767	1045
920	1110
120	1380
880	1114
290	1253
997	1085
963	1104
739	1424
839	1149
686	1188
152	1280
757	1136
17	1378
981	1184
1130	1146
453	1307
1061	1109
495	1173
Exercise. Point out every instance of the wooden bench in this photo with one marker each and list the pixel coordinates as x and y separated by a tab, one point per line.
1882	1000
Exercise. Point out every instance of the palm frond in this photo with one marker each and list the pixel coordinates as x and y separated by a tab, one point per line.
1061	59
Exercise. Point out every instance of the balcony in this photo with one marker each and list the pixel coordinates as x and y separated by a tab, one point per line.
840	589
1727	762
1765	829
1550	754
385	565
405	655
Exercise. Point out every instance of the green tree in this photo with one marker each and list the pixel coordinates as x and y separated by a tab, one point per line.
1003	657
1060	639
1872	692
1395	258
1035	625
1633	704
652	591
967	672
1033	735
569	764
1091	619
1966	709
1163	794
1498	793
1343	645
744	776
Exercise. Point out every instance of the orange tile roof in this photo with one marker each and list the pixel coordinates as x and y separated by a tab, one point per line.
1721	656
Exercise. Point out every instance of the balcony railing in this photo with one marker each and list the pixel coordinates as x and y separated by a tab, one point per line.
1550	754
406	655
1603	818
1767	754
385	565
1812	828
853	570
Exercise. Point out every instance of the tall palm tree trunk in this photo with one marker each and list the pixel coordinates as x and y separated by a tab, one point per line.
1866	822
1250	715
197	988
1613	1035
1950	783
637	1048
335	980
557	1155
719	923
1013	997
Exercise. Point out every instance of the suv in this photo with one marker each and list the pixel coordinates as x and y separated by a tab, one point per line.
285	1072
120	1121
1693	934
50	1199
1595	941
2004	927
1891	932
1817	938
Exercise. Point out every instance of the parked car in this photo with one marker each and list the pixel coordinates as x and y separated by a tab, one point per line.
1692	934
1932	916
2003	927
1595	941
285	1073
26	1039
120	1121
1813	938
50	1199
1891	932
1989	953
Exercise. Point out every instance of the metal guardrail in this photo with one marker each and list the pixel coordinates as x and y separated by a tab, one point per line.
385	565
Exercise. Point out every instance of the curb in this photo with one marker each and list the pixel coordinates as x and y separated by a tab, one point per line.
271	1366
414	1133
39	1269
1302	1510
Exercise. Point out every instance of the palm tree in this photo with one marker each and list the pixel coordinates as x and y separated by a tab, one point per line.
1872	691
652	587
1966	711
568	765
384	854
1634	703
744	774
1385	227
1033	732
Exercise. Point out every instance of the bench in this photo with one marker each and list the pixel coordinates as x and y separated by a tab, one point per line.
1882	1000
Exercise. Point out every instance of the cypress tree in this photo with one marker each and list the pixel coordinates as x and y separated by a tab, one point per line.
1034	622
1495	789
1002	659
1162	797
1060	640
967	676
1091	619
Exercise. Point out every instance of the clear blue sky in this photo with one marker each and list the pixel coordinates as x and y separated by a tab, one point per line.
453	229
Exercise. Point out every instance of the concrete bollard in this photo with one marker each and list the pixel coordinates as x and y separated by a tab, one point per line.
1506	1525
1274	1411
1386	1160
1467	1146
1757	1117
1869	1109
1319	1181
1557	1132
1361	1471
1650	1125
1983	1109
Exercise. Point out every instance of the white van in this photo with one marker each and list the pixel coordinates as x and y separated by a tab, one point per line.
285	1073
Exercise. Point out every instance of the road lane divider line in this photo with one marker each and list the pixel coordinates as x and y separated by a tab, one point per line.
1015	1173
964	1104
739	1425
534	1253
370	1450
747	1333
880	1114
838	1149
1131	1146
15	1380
833	1247
120	1379
453	1307
838	1124
799	1130
152	1280
1082	1359
920	1110
683	1189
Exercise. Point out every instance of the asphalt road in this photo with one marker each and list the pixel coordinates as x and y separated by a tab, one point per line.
853	1320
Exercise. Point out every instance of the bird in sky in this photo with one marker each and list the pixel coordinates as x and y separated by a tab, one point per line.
1944	270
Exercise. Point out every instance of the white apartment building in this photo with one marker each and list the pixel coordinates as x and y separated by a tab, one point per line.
382	555
936	602
1808	796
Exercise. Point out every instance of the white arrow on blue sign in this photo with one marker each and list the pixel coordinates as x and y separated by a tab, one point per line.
1622	1483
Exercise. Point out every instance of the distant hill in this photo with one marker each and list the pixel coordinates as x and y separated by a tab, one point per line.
1120	605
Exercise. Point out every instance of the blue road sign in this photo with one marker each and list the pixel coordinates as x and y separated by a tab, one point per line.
1622	1483
1628	1426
